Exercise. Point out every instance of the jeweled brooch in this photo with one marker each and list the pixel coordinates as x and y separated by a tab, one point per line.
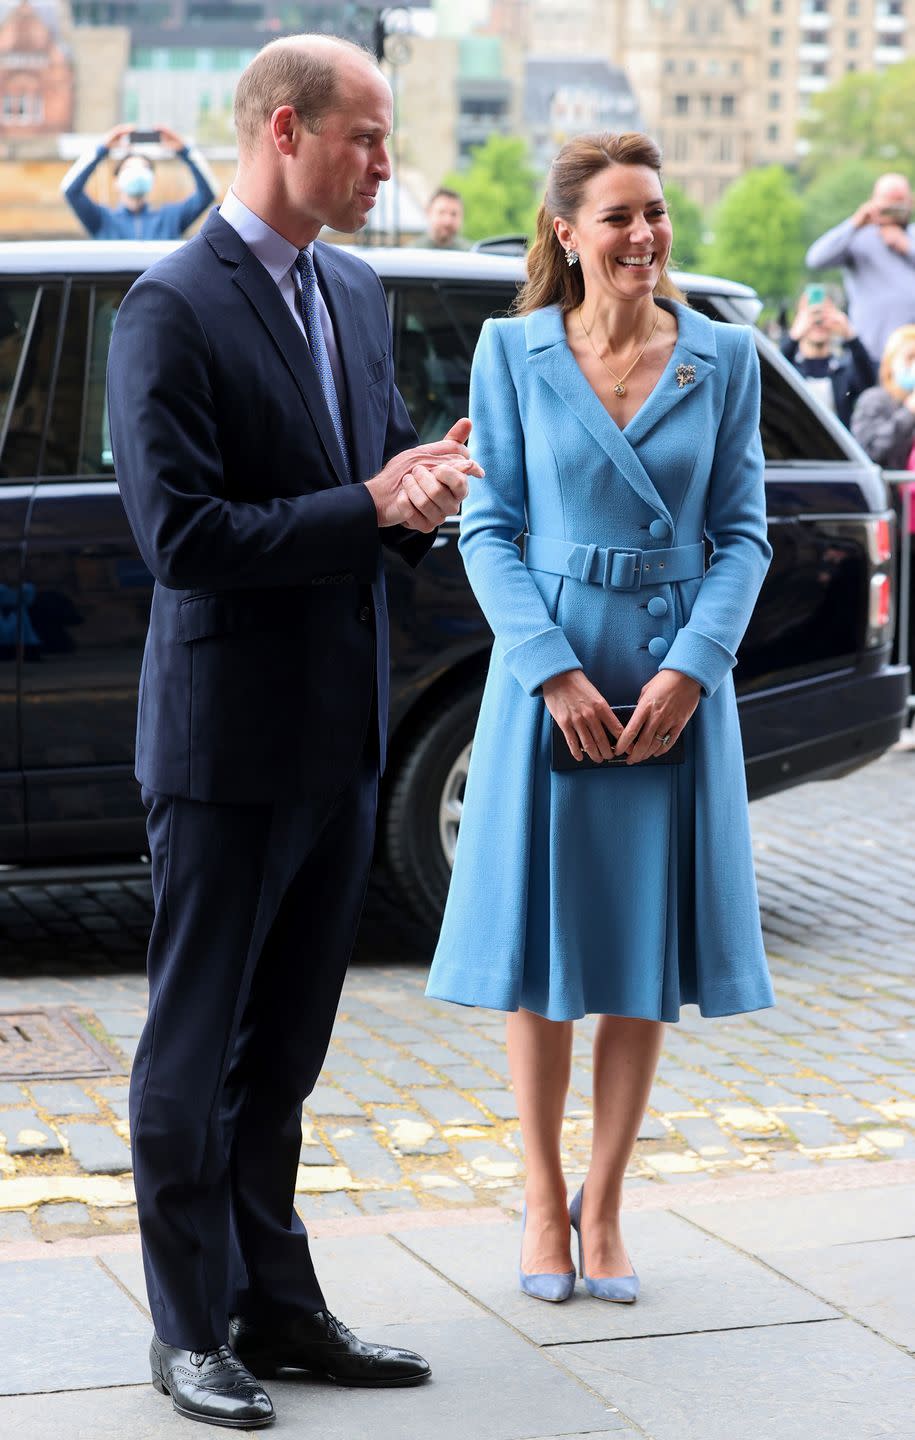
686	375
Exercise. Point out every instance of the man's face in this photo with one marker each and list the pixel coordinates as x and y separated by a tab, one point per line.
893	201
446	217
338	170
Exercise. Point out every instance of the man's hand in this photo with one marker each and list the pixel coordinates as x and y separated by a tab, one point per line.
865	214
170	138
896	238
802	320
437	475
837	320
120	132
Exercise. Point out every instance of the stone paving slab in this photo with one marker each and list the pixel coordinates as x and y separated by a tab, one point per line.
66	1325
689	1282
873	1281
798	1222
793	1382
486	1382
24	1133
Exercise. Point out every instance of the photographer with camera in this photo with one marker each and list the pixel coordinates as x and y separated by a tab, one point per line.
135	219
876	249
822	345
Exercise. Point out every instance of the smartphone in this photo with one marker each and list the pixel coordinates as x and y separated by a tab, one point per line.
894	214
815	294
145	137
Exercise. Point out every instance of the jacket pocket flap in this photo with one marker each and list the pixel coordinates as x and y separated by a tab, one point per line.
201	617
376	370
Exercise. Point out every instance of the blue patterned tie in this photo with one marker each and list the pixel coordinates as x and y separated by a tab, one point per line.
312	318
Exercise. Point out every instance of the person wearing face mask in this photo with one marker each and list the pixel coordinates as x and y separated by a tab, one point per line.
883	422
135	218
876	249
823	347
617	429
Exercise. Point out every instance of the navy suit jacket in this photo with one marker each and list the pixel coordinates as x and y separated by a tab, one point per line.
268	632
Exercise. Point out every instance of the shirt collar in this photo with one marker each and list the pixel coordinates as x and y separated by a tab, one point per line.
276	254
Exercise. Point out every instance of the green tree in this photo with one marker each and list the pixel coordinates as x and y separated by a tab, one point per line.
863	117
758	234
686	218
500	190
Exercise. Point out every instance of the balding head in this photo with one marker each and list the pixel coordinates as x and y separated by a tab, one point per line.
893	192
303	71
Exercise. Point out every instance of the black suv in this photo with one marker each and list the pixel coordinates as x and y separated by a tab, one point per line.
818	694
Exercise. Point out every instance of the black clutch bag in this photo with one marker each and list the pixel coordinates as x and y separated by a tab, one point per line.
561	756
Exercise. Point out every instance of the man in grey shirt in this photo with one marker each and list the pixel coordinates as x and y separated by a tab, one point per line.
876	250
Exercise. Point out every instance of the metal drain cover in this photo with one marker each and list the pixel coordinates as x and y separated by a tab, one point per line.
51	1043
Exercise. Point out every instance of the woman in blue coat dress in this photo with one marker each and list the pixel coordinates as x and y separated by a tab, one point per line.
618	430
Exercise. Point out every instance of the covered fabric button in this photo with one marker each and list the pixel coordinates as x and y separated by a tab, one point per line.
658	606
658	647
659	530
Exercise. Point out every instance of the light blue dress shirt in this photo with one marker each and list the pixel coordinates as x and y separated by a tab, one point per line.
278	257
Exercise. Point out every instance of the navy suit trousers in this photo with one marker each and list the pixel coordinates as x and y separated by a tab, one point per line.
256	911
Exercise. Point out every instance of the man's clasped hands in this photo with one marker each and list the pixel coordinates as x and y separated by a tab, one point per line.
420	488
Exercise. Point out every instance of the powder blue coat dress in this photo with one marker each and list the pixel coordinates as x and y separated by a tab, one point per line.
627	891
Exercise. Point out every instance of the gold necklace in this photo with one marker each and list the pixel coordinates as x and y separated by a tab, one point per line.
620	386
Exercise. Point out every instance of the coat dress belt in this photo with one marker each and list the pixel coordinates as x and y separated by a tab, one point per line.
614	569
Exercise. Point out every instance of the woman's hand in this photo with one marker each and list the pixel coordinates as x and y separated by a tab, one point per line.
582	714
665	706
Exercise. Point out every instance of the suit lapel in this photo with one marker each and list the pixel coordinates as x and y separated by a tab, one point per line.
352	355
687	368
273	312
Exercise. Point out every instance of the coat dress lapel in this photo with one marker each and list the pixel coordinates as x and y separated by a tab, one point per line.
251	277
549	354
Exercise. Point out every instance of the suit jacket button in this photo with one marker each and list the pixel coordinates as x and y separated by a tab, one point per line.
365	614
657	606
659	530
658	647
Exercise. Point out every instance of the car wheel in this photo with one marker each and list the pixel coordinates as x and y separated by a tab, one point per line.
425	804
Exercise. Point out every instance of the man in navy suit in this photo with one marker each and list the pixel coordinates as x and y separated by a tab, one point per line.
265	458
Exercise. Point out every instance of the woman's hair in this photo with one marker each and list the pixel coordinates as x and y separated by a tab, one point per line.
550	279
899	339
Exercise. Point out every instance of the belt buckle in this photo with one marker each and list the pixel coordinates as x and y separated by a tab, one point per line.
624	571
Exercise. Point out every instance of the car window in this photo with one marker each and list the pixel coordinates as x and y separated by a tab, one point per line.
436	331
29	314
789	426
78	440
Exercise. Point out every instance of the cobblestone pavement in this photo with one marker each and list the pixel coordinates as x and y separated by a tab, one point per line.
414	1109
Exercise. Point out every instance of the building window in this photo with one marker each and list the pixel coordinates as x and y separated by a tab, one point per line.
669	67
736	67
777	7
728	105
681	146
775	69
681	104
775	100
772	134
706	103
850	66
775	38
851	39
853	8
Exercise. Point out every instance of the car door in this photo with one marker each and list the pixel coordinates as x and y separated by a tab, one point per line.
89	608
29	321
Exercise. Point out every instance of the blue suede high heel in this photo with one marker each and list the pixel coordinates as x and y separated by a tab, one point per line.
555	1288
623	1289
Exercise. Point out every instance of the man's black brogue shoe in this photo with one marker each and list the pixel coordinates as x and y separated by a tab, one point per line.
210	1385
323	1345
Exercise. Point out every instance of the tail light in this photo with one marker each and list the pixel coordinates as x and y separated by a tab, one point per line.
881	534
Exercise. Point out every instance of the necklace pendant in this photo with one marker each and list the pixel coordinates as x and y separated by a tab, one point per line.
619	389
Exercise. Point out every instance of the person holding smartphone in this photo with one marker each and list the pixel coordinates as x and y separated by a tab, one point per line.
822	345
135	218
875	249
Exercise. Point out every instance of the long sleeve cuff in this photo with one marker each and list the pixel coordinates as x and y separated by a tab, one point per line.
540	658
701	657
